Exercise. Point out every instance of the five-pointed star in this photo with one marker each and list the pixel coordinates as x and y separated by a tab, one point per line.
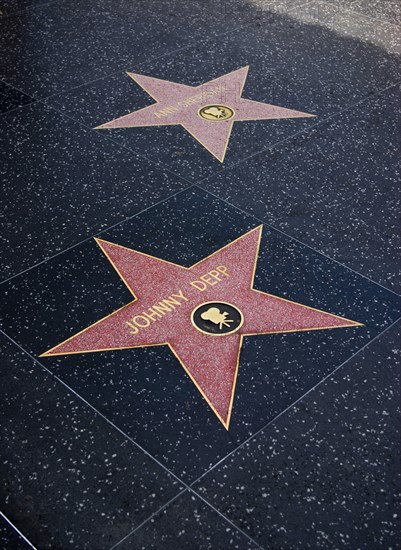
181	104
165	297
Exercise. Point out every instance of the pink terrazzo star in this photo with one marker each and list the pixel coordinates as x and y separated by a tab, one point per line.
207	112
166	296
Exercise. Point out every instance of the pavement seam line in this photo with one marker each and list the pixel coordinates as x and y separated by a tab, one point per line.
186	490
360	101
226	518
161	465
269	225
106	138
145	61
222	170
96	411
27	9
132	441
353	12
93	235
287	409
185	485
10	523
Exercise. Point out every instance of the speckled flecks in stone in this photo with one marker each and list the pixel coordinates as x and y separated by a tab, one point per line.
311	59
9	537
326	474
165	297
59	45
62	182
186	520
145	390
207	112
10	7
198	20
67	476
335	187
10	98
387	10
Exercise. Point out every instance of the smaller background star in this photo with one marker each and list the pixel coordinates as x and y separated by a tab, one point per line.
184	105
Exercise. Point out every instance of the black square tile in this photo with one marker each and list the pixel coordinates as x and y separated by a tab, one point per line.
9	538
326	474
61	45
145	391
68	478
200	20
187	523
335	187
62	183
312	59
388	10
10	7
10	98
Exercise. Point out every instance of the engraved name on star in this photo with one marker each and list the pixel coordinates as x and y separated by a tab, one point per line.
201	312
207	111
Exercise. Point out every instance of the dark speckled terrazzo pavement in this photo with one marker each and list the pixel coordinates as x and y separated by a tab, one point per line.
118	449
9	537
327	468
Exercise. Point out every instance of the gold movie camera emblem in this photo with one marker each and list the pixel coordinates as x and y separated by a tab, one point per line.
216	112
217	318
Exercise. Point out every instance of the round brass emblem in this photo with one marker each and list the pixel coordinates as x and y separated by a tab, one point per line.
217	318
216	112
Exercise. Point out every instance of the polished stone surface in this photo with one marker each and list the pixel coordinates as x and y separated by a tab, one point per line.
202	313
311	59
62	462
60	45
10	7
197	109
9	538
389	11
184	521
56	45
10	98
145	391
335	187
326	474
70	184
197	19
119	449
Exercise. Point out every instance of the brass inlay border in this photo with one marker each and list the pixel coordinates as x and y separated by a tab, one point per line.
225	423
